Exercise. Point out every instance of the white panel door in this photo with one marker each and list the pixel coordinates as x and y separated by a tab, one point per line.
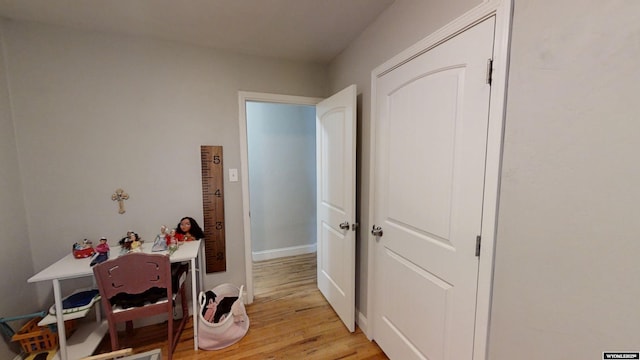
336	175
431	125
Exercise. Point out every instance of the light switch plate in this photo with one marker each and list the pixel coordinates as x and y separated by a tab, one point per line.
233	175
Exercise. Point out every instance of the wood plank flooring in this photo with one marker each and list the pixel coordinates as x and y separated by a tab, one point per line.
290	319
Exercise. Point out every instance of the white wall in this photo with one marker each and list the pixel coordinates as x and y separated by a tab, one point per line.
404	23
19	298
567	280
96	112
281	151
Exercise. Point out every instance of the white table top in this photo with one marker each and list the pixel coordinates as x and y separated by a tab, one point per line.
69	267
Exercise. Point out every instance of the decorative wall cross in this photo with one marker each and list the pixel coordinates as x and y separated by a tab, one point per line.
120	196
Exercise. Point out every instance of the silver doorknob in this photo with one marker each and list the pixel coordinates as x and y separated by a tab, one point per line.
344	225
376	231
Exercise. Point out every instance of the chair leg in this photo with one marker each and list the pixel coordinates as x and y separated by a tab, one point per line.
183	301
175	337
171	342
113	334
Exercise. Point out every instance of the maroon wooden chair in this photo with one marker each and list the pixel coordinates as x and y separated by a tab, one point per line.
133	279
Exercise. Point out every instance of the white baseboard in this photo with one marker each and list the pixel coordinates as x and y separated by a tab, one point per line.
363	325
282	252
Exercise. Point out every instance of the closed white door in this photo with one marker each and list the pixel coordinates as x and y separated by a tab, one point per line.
431	136
336	174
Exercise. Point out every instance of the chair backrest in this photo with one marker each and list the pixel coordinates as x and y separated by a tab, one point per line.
133	273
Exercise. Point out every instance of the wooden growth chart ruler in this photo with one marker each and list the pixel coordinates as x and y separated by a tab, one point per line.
213	206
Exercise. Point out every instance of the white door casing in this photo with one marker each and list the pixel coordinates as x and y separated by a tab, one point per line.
336	175
431	126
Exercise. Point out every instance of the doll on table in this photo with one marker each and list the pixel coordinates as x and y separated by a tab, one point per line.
172	241
136	243
130	243
125	243
102	252
188	230
161	243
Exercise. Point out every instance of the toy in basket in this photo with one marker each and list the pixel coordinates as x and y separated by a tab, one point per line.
37	340
84	250
223	318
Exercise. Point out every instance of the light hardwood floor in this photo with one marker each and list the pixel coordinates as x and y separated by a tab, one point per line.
290	319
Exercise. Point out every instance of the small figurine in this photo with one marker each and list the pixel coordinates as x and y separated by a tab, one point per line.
131	242
125	242
173	242
102	252
162	240
103	247
136	244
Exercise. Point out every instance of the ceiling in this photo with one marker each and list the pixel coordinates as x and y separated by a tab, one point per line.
303	30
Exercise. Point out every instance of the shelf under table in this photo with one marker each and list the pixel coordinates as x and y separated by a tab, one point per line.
85	339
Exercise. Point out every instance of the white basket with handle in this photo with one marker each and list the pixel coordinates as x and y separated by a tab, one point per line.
231	322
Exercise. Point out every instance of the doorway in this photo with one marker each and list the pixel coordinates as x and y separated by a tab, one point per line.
282	179
335	190
278	160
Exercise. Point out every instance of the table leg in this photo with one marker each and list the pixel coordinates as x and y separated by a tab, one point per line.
194	301
201	269
98	305
62	336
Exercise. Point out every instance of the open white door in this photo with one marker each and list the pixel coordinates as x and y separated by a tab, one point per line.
336	176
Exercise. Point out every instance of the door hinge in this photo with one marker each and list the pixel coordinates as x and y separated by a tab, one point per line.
489	71
478	241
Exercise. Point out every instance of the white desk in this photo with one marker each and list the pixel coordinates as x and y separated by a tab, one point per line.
70	268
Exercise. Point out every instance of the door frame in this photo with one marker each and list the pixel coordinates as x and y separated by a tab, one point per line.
502	11
243	98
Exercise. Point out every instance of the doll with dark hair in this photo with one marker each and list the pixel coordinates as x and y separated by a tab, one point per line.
188	230
131	242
